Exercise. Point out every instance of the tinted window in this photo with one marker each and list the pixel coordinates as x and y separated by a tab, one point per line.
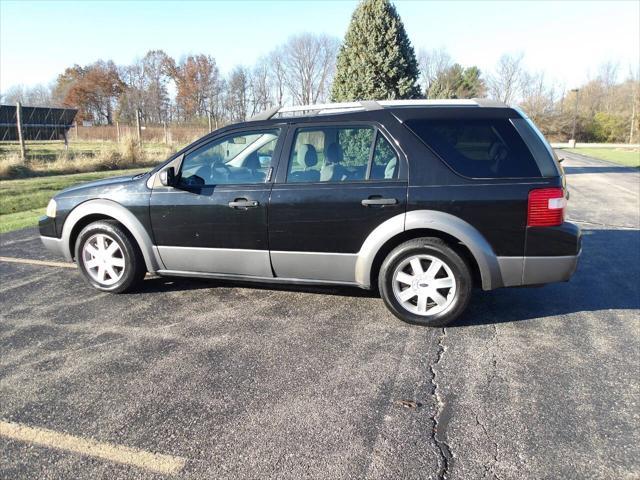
385	160
489	148
237	158
330	154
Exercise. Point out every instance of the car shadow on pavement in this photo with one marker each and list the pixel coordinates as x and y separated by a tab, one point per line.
174	284
612	169
607	278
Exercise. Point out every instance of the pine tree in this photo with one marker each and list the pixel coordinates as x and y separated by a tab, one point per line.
376	60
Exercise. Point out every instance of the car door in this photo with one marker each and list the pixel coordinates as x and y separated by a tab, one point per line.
214	220
335	185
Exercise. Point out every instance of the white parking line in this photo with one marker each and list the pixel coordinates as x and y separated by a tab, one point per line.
155	462
37	262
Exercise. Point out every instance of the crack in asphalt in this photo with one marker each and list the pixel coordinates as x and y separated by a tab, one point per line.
440	417
496	448
493	375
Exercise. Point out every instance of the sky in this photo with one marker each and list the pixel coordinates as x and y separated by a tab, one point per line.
567	40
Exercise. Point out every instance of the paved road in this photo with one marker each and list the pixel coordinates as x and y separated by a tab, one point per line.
250	382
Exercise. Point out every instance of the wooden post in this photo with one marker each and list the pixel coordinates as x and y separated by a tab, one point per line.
210	124
66	141
76	122
23	150
633	112
139	128
117	131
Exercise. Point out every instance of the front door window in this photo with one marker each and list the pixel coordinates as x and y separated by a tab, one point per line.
240	158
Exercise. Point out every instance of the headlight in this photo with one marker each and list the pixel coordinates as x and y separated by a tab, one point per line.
51	208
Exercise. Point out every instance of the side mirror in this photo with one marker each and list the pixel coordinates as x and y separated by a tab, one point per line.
168	177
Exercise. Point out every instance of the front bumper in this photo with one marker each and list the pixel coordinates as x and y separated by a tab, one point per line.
49	240
55	246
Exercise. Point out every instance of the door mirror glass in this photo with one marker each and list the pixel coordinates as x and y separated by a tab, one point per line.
168	177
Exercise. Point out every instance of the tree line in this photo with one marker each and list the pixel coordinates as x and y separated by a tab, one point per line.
376	60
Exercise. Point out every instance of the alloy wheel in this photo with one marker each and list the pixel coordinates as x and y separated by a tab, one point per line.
103	259
424	285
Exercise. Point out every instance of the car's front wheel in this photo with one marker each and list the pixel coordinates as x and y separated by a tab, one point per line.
108	257
424	281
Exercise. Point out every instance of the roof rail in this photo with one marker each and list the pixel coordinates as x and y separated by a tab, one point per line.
370	105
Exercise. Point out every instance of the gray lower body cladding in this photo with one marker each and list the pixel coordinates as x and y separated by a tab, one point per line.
520	271
311	267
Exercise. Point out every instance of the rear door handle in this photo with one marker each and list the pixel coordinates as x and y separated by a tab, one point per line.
243	203
379	201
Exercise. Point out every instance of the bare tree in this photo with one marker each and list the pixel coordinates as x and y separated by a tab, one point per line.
261	97
432	64
505	83
608	77
237	94
538	98
278	74
36	96
309	62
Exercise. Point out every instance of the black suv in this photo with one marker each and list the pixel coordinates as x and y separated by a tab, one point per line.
421	199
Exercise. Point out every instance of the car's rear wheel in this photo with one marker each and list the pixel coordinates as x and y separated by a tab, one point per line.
424	281
108	257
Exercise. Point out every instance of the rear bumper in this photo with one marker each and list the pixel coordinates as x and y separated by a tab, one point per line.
551	256
519	271
540	270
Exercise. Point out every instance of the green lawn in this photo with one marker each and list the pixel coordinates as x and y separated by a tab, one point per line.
627	157
22	202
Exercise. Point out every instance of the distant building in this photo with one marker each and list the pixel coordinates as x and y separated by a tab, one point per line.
38	123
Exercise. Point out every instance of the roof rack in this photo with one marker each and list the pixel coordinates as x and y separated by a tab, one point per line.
368	105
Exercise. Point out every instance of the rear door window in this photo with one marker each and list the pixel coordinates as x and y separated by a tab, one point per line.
488	148
341	154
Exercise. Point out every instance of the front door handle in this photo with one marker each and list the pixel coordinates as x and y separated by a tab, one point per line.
378	202
243	203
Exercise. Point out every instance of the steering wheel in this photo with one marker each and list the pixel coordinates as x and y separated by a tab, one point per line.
218	165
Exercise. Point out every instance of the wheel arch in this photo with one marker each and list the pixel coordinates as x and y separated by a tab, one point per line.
462	236
102	209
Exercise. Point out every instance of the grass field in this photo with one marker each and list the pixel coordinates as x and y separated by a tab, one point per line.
627	157
22	202
49	151
51	158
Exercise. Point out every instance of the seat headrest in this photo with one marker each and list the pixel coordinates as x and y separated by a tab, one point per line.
390	169
333	154
498	152
252	162
307	155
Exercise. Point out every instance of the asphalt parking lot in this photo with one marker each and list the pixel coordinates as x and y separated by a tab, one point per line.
197	379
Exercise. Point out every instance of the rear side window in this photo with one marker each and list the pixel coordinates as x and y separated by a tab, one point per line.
488	148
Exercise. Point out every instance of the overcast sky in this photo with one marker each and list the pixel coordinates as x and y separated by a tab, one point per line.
567	40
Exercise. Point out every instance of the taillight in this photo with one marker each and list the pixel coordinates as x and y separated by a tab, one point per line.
546	207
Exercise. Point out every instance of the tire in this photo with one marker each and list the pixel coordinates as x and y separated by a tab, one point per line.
412	297
106	267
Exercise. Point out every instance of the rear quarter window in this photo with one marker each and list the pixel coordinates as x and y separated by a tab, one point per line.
487	148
